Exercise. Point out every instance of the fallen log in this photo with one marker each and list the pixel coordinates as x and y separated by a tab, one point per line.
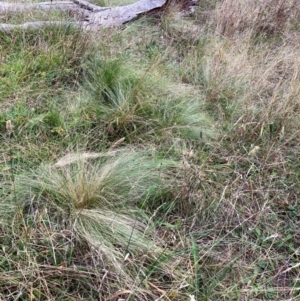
92	17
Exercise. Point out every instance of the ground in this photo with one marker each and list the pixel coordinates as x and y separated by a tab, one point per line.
156	160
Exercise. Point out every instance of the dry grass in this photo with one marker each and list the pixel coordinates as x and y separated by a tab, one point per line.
229	221
260	17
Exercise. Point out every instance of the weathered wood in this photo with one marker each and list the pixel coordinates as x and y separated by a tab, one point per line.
93	16
88	6
116	16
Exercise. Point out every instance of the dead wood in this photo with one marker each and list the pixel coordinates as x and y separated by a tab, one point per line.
92	17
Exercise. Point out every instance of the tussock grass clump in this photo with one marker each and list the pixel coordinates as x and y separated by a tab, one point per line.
118	177
97	202
125	105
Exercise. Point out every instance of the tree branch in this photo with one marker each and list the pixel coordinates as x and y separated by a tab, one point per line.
93	16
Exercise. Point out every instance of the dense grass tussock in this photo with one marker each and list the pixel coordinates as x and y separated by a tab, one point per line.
119	179
96	201
178	138
124	104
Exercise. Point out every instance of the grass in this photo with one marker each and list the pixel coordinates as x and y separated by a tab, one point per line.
158	160
98	204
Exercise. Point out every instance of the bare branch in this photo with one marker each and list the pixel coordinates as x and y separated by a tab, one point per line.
93	16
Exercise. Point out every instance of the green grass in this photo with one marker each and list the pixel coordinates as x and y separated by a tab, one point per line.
35	61
158	160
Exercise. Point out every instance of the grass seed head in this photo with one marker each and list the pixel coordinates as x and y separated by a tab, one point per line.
9	126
